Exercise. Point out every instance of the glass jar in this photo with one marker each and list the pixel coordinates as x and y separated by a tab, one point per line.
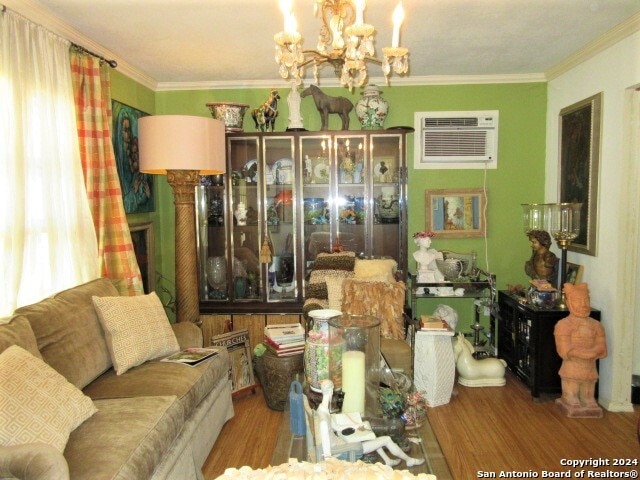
356	339
317	349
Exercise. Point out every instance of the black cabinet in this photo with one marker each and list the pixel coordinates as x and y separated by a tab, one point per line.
526	342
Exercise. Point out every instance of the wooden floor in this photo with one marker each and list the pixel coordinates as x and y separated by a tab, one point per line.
480	430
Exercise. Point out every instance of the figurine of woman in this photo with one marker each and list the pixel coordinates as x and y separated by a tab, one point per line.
378	444
241	214
426	259
580	341
542	263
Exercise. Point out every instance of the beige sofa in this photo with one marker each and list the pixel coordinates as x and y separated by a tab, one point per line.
157	420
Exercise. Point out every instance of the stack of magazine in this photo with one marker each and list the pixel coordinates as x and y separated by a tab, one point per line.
284	340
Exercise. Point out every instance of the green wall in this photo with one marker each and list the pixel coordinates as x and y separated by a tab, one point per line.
518	179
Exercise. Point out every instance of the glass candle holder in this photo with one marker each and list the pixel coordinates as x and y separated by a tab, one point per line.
357	366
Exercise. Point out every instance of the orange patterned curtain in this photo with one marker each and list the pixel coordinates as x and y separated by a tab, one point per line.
92	93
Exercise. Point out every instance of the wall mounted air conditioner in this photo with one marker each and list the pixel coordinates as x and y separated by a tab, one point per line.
456	139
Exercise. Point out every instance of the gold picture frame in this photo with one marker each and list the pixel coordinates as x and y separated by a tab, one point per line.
456	213
579	150
238	345
574	273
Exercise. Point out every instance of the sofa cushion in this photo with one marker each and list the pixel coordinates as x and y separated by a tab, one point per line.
376	268
137	329
335	261
189	384
126	439
37	404
382	300
68	331
17	331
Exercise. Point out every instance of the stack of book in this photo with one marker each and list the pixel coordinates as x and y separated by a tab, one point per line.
432	323
284	340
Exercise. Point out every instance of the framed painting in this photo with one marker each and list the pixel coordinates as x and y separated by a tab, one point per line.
574	273
142	239
457	213
239	348
580	126
137	187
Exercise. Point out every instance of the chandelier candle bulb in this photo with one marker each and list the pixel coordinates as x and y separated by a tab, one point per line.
359	12
398	17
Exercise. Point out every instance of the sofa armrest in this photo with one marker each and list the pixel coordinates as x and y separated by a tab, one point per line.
188	334
33	461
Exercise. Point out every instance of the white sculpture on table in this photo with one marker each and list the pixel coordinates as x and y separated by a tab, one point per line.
487	372
329	439
426	259
448	314
293	101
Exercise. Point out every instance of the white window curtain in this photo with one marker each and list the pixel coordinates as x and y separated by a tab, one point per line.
47	238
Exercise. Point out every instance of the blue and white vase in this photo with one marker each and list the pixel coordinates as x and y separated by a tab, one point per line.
372	109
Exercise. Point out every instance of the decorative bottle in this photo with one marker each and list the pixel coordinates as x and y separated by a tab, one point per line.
372	109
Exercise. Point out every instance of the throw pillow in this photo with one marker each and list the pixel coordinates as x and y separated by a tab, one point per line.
316	290
335	261
17	331
37	404
136	329
334	290
385	267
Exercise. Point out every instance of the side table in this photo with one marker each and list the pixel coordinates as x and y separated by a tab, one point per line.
275	375
434	367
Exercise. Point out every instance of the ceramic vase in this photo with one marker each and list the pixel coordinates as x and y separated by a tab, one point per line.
372	109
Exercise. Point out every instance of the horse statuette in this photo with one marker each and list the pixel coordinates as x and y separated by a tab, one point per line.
265	115
326	104
488	372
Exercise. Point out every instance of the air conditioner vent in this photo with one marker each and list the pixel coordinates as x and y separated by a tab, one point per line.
456	139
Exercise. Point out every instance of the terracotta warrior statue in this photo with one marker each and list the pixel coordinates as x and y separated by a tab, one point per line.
580	341
542	263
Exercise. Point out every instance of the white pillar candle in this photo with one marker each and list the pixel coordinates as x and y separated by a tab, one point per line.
353	381
359	12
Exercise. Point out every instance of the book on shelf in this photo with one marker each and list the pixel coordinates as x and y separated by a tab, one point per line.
191	356
430	322
285	333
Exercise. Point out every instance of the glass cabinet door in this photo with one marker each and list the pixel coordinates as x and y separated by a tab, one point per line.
351	194
317	199
280	217
387	183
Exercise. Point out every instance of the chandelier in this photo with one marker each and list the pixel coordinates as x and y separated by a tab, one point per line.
345	42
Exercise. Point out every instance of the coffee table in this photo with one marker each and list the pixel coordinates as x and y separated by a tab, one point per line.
295	446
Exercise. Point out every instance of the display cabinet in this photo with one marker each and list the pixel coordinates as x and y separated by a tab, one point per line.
527	344
287	197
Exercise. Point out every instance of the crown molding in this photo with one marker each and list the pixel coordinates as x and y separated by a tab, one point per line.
37	14
613	36
333	82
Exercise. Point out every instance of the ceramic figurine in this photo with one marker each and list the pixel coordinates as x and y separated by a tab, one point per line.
326	104
241	214
293	101
580	341
426	257
487	372
265	115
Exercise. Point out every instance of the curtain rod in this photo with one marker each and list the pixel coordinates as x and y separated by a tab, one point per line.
111	63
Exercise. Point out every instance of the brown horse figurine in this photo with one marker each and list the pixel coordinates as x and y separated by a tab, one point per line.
265	115
326	104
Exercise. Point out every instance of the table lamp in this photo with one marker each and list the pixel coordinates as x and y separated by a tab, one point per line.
183	147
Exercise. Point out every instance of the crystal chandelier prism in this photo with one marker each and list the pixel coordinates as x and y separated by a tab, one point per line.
345	42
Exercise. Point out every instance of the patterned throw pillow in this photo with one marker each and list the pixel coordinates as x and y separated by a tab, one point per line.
369	268
37	404
335	261
136	329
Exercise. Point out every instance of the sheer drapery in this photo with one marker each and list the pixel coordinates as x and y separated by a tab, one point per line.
47	239
91	86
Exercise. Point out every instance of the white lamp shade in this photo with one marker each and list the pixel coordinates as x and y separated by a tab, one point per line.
181	142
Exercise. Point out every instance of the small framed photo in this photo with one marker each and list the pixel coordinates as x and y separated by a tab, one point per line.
239	348
142	239
456	213
574	273
384	169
